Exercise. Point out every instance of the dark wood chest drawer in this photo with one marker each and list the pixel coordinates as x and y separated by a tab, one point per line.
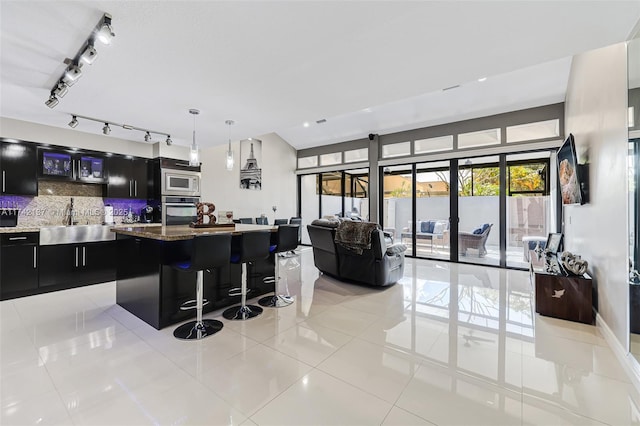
564	297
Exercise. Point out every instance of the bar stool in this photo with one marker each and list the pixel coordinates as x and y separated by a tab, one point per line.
247	248
287	240
207	252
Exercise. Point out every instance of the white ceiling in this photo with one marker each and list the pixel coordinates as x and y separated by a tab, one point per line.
366	67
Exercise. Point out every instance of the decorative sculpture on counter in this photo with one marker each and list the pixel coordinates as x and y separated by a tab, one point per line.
573	263
209	213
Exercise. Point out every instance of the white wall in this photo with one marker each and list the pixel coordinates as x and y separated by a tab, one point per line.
596	114
222	187
32	132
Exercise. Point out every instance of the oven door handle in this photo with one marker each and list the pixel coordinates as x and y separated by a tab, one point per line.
180	204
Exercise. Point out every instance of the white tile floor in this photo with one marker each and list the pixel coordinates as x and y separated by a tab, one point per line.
448	345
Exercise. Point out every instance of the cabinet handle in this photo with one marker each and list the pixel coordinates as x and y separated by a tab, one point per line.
73	169
84	256
76	257
130	191
17	238
3	179
35	258
135	188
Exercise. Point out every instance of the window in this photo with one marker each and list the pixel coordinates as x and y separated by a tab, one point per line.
533	131
305	162
331	159
355	155
396	149
480	138
441	143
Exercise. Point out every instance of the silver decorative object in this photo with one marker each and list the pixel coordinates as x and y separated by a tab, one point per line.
573	263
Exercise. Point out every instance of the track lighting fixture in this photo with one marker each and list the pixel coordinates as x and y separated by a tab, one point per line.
105	33
72	74
229	162
106	129
86	55
89	55
61	89
52	101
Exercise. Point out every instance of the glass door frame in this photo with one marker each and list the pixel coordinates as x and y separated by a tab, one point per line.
504	189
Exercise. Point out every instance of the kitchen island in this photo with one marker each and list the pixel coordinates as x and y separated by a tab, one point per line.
148	287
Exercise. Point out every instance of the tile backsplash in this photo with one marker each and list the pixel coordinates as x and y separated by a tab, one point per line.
52	205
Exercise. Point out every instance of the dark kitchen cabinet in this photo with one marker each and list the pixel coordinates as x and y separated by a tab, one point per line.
18	263
128	178
72	265
18	162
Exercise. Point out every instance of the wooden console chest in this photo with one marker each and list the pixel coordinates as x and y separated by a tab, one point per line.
564	297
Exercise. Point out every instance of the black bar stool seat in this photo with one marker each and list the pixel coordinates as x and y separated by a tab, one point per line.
247	248
208	251
286	240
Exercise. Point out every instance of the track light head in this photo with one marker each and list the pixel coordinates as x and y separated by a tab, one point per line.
61	89
89	55
106	129
169	141
147	137
52	101
72	74
74	122
105	32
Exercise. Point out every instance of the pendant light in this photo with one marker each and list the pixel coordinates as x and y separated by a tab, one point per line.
194	155
229	152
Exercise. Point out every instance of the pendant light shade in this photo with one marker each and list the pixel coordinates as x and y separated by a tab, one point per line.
229	163
194	155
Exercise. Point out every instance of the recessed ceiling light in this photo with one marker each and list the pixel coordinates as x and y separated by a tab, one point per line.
305	124
482	79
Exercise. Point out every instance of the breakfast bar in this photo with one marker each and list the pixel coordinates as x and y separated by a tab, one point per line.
150	288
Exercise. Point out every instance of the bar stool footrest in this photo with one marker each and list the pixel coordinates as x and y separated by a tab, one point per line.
192	304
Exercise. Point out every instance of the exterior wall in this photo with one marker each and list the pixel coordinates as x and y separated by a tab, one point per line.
222	187
596	114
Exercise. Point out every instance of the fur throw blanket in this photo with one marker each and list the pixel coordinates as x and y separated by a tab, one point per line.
355	236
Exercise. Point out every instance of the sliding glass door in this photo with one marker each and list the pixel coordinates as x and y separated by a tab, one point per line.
397	204
333	194
528	206
479	210
432	230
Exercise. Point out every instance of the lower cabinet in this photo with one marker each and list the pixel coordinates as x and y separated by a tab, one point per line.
18	264
72	265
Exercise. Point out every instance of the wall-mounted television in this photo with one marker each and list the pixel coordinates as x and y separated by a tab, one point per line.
570	174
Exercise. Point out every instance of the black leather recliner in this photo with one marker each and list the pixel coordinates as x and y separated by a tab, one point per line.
381	265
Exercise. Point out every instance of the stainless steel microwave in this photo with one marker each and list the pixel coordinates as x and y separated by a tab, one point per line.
180	183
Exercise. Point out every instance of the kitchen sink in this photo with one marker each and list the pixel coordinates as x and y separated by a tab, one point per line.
50	235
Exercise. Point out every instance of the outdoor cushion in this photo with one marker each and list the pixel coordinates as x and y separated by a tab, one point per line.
426	226
477	231
439	227
484	227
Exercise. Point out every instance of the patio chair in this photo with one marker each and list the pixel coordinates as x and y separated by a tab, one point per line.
474	240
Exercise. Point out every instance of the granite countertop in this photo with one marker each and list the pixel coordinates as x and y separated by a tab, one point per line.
184	232
17	229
